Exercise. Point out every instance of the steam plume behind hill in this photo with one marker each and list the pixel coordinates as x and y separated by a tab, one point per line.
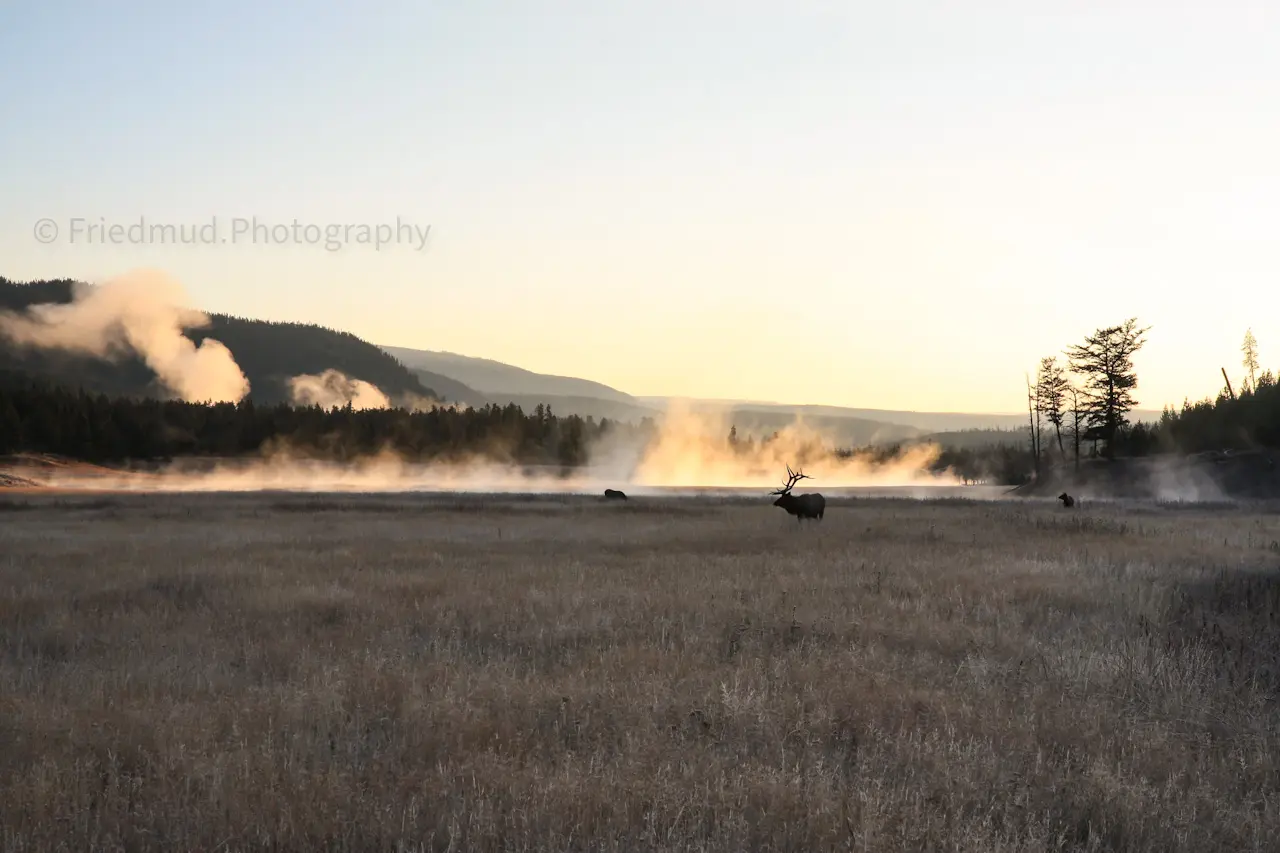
334	388
144	313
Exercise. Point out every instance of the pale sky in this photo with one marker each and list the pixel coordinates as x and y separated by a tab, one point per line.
890	205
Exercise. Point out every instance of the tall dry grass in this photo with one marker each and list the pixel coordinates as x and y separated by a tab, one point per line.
304	673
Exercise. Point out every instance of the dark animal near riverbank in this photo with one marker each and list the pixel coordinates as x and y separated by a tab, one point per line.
615	495
801	506
1067	500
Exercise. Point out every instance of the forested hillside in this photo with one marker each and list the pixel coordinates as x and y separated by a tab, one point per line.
38	417
268	353
1249	421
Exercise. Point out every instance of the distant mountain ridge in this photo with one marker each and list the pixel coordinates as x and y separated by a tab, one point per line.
923	421
492	378
504	383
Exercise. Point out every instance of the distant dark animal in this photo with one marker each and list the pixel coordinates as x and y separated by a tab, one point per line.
801	506
1067	500
614	495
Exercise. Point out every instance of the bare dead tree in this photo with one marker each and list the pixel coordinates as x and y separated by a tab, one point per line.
1033	420
1077	419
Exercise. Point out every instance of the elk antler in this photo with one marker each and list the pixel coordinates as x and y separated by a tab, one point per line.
793	477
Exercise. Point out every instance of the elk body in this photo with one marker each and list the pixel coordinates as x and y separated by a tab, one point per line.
615	495
801	506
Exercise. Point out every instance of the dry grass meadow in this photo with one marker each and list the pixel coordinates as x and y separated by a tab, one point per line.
294	672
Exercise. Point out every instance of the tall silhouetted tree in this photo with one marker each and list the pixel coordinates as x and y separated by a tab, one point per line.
1051	387
1105	363
1033	422
1250	351
1077	421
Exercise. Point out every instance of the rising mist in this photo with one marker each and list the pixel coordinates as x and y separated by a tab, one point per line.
685	452
334	388
691	449
142	313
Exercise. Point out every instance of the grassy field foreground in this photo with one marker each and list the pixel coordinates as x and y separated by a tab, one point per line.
488	673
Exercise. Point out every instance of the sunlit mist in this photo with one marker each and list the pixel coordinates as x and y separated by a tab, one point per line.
141	313
334	388
686	452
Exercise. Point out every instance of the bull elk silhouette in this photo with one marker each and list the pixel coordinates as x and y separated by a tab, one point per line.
801	506
614	494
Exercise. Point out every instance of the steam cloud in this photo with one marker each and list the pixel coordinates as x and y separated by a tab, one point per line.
142	312
334	388
691	450
688	452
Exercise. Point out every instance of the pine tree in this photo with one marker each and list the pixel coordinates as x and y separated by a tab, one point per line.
1105	362
1250	351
